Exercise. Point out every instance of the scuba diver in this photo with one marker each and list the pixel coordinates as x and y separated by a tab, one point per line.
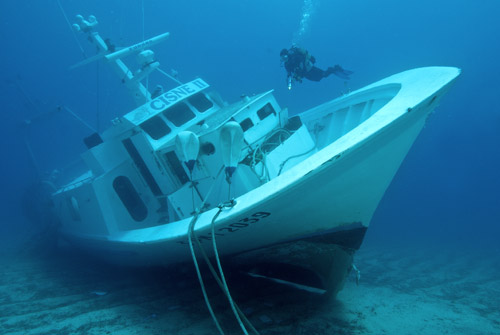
300	64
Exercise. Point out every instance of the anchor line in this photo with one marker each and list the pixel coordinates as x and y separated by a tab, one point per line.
219	277
238	314
198	272
191	235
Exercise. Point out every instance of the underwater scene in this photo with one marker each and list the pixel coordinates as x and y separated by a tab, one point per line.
250	167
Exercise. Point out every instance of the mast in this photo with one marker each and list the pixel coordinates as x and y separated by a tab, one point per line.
146	58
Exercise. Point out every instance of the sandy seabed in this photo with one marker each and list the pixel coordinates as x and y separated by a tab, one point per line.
401	291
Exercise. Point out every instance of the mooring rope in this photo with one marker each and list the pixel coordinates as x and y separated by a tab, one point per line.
240	317
198	272
221	273
193	255
238	314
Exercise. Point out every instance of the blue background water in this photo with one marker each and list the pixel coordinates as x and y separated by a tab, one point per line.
447	190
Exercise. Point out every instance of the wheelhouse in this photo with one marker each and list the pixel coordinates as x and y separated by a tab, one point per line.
135	170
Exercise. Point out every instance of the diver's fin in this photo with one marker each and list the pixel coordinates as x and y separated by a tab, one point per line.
340	72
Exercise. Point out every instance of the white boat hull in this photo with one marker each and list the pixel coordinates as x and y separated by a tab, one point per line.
335	190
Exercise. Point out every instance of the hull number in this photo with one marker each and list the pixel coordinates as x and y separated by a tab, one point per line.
233	227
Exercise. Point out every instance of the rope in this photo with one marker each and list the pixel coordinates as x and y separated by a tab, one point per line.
198	272
225	288
193	255
30	152
71	28
220	281
98	97
192	190
142	10
265	171
261	150
282	165
79	119
26	97
169	76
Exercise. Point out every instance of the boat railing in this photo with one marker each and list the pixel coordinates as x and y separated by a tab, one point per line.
334	119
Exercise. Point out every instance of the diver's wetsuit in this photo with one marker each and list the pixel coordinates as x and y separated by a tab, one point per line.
316	74
299	64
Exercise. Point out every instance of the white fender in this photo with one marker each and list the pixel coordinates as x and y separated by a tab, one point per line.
187	147
231	142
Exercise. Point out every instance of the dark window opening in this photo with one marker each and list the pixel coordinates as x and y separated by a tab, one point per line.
200	102
92	140
176	167
155	127
266	111
179	114
130	198
207	148
294	123
141	165
246	124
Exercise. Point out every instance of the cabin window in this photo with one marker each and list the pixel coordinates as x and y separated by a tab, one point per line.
176	167
155	127
130	198
265	111
200	102
179	114
246	124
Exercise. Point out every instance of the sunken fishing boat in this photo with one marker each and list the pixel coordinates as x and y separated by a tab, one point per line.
186	172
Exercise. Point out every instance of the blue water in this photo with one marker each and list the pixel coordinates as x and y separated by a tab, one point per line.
446	194
448	188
